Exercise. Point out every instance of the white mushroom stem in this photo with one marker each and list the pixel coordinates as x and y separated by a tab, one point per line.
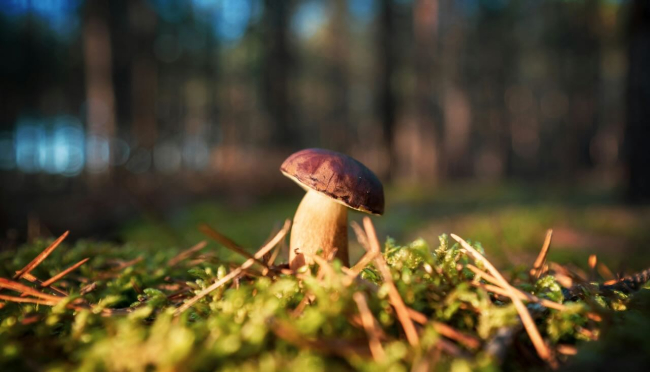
319	223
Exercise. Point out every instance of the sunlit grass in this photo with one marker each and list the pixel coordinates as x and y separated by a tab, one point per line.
509	219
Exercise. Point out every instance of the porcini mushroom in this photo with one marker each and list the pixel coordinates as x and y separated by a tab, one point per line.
334	182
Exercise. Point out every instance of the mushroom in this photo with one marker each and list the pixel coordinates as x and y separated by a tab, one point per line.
334	182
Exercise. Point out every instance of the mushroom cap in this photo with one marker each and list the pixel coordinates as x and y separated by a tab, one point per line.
337	176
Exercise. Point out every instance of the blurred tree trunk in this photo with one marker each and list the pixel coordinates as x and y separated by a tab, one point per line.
276	65
212	77
386	100
144	75
454	95
492	50
584	98
337	121
638	103
121	41
100	98
429	120
578	53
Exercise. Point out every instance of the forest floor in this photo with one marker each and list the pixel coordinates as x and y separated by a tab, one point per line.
437	303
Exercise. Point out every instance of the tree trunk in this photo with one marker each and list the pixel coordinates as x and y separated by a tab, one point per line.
99	85
277	65
386	99
429	120
337	122
638	104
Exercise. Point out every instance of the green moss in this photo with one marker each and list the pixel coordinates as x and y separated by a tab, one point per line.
235	327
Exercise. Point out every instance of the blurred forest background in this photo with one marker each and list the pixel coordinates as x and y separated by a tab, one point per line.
111	109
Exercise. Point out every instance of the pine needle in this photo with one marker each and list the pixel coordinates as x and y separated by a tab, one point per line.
362	238
236	272
466	340
336	346
63	273
369	325
393	293
42	256
566	349
124	264
540	346
33	279
324	265
521	294
538	266
186	253
605	272
28	300
367	258
230	244
18	287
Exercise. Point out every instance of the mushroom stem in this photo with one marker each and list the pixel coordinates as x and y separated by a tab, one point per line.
319	223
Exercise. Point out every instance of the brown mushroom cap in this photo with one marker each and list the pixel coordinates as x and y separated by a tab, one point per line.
338	176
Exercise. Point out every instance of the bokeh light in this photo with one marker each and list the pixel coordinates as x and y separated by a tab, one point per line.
97	153
363	10
309	18
60	16
29	135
